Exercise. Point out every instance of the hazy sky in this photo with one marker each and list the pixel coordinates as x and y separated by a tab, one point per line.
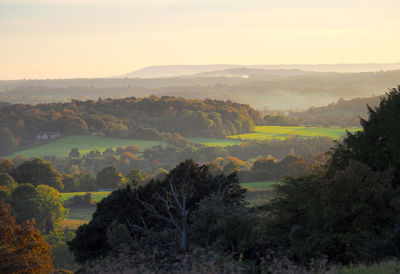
89	38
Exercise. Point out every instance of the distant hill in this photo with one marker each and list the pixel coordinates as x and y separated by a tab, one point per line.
253	72
175	70
185	70
343	113
262	88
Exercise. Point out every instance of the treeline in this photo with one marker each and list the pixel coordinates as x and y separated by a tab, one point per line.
303	89
344	113
150	118
115	168
152	160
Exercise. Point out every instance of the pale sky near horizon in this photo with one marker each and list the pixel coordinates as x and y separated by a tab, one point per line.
89	38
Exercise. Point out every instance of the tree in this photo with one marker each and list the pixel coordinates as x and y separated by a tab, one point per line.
264	164
378	143
157	214
87	183
350	212
22	247
24	204
6	166
51	208
7	181
38	172
74	153
42	203
109	177
8	143
135	175
70	182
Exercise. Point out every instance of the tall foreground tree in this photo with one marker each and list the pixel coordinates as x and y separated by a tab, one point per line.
350	212
378	144
22	247
157	215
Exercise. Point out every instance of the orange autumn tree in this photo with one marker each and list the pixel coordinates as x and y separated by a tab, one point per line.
22	247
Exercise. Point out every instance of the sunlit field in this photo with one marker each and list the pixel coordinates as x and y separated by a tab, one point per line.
258	186
284	132
97	195
84	143
73	224
82	213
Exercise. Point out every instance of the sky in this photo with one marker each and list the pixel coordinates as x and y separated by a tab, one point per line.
88	38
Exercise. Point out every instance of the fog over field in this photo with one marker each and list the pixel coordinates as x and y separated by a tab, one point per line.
280	88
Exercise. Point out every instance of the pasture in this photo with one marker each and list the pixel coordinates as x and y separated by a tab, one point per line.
97	195
258	186
284	132
81	213
85	143
213	142
259	193
71	224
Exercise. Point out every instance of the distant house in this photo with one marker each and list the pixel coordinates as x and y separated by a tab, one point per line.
47	136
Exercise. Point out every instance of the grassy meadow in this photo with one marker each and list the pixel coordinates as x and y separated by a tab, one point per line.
258	186
96	195
283	132
81	213
85	143
259	192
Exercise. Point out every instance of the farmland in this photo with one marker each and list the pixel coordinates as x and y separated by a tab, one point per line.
284	132
77	214
85	143
81	213
97	196
259	192
258	186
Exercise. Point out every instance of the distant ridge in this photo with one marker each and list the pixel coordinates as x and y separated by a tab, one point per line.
176	70
186	70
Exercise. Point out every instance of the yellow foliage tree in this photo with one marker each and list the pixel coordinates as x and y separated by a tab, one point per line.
22	247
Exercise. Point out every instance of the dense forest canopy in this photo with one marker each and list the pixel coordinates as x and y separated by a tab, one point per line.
342	113
141	118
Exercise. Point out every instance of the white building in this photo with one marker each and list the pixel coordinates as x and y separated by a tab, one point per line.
47	135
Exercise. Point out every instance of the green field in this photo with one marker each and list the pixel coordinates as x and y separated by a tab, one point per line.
259	193
212	142
83	213
85	143
258	186
283	132
97	196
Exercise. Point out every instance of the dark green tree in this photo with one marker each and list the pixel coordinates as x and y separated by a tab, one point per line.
42	203
38	172
158	213
108	177
74	153
378	143
6	166
7	181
